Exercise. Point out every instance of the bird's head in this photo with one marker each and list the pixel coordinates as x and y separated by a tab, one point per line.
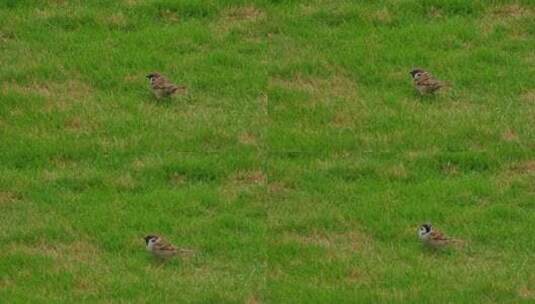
424	229
154	75
150	239
416	73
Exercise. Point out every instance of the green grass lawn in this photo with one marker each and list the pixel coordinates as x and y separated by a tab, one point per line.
298	167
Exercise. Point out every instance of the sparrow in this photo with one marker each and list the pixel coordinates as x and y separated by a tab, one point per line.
424	82
162	249
161	87
431	237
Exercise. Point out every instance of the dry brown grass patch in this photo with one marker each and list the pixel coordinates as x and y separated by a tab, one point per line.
69	257
396	172
529	97
239	18
78	125
66	256
512	10
246	13
73	123
5	283
435	12
72	89
527	167
529	59
243	181
177	179
247	138
505	15
145	162
338	245
250	177
420	154
169	16
115	20
278	187
509	135
44	13
132	2
125	182
40	89
78	251
50	176
526	293
113	143
357	276
519	174
450	169
528	100
62	162
308	9
7	197
382	16
4	37
342	119
63	96
320	88
253	299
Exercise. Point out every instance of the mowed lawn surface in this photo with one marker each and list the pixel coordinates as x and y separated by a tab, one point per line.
298	167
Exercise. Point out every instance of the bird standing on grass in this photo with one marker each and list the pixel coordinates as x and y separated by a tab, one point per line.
433	238
162	249
161	87
424	82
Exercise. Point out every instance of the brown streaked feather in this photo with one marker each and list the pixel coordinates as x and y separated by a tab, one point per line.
438	236
164	246
168	250
429	82
437	240
163	249
426	83
162	83
163	87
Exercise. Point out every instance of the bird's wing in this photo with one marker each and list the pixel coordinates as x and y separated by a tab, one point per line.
438	236
177	88
164	246
429	81
171	88
162	84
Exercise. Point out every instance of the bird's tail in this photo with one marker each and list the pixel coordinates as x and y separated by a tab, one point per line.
457	242
179	89
185	252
